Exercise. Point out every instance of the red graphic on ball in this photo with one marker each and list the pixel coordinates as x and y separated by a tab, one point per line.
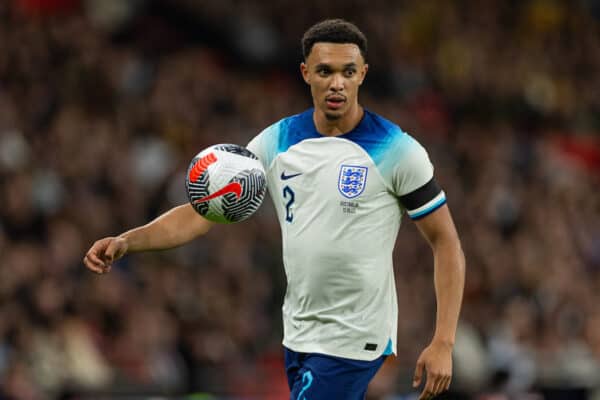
233	187
201	166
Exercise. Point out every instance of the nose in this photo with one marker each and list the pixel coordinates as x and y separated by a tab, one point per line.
337	83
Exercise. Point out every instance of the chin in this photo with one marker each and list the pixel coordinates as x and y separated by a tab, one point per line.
332	116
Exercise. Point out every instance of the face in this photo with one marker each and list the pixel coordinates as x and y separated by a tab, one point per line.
334	72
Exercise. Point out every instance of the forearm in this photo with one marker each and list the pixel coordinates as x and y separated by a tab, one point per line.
173	228
449	277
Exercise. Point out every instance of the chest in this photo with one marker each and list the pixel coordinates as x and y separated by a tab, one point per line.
325	173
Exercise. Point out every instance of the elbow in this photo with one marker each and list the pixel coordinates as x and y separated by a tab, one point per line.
449	247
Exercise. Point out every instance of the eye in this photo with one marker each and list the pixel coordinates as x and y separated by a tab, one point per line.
349	73
323	71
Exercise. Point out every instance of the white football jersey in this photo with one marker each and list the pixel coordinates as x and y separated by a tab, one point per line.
339	201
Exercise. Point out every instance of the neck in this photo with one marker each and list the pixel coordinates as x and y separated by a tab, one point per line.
338	126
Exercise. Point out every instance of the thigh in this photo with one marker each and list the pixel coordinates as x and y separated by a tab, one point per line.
321	377
293	365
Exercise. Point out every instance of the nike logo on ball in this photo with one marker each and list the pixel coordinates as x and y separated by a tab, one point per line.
285	177
233	187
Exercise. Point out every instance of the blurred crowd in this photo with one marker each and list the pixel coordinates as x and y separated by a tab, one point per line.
104	102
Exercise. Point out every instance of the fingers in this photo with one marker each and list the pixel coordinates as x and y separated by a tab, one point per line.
437	362
94	264
116	249
111	252
447	383
436	383
418	373
95	259
429	390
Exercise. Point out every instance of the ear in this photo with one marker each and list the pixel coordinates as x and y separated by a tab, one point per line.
304	71
363	73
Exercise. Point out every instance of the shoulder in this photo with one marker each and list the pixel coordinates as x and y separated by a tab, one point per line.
279	136
403	143
382	124
286	124
384	140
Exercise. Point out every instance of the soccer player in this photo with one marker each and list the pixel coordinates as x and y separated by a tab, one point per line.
340	177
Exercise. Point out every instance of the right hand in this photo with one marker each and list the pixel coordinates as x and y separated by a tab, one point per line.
103	253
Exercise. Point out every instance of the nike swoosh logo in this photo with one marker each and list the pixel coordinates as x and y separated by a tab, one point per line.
285	177
233	187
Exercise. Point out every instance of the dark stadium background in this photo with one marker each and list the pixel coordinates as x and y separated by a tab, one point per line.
104	102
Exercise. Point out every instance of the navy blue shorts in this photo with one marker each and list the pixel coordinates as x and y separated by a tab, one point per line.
321	377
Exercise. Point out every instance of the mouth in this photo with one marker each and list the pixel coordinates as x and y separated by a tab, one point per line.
334	102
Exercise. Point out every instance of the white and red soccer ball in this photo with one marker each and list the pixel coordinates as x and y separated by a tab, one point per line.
226	183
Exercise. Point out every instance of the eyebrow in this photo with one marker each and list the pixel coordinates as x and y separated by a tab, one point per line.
325	65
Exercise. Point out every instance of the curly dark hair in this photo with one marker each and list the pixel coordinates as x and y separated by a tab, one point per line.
334	31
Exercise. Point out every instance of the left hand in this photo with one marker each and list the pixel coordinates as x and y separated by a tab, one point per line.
436	359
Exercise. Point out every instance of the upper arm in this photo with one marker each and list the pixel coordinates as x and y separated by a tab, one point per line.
414	183
438	227
421	196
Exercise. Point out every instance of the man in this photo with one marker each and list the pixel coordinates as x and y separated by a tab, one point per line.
340	178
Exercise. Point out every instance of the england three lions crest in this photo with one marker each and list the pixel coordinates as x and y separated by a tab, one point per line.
352	180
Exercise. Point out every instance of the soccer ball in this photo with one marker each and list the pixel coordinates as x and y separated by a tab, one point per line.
226	183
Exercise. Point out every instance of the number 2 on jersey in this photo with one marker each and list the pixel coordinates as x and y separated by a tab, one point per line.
289	193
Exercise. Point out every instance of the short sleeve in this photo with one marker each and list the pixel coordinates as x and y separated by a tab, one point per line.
264	145
414	183
255	146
